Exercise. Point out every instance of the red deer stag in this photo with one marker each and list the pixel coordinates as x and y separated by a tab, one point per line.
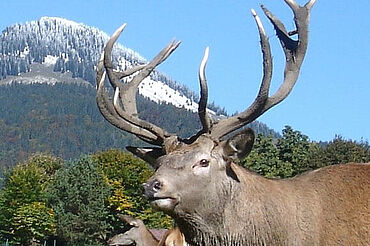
216	202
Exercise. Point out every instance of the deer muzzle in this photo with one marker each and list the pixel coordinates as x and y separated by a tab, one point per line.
155	192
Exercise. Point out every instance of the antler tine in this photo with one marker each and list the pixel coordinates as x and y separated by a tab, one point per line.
115	77
310	4
292	4
226	126
294	50
267	63
202	105
102	100
99	70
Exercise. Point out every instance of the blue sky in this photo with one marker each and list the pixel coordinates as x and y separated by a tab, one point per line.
332	95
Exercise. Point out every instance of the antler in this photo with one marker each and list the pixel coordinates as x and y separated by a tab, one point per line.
294	51
122	113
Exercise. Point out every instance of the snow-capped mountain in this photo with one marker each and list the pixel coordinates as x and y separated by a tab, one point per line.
69	51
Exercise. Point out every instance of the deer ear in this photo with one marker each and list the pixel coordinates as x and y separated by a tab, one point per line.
130	220
239	145
150	155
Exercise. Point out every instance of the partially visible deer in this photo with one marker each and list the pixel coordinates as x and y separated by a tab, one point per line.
139	235
213	200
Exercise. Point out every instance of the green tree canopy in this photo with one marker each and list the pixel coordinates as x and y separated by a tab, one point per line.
264	159
340	150
294	148
125	175
24	215
283	157
79	197
294	153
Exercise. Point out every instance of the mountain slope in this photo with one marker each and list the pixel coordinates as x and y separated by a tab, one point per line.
47	93
63	120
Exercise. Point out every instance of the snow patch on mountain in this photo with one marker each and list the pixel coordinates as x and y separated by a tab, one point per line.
67	47
162	93
50	60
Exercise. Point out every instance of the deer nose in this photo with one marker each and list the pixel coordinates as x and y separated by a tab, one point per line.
151	187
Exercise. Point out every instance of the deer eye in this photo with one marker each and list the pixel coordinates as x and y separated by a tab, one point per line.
204	163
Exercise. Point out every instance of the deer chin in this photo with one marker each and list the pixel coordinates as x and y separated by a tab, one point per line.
164	203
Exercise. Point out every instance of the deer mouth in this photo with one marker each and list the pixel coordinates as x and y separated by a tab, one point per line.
164	203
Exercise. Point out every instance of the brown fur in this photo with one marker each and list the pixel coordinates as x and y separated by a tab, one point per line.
140	235
173	237
328	206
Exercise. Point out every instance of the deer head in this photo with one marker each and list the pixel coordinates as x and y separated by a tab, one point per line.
207	151
138	234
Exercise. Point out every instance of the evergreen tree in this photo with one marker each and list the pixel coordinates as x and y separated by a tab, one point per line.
283	157
78	196
294	148
264	159
340	150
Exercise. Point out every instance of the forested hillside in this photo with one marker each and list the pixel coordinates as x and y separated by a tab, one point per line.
63	120
48	101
